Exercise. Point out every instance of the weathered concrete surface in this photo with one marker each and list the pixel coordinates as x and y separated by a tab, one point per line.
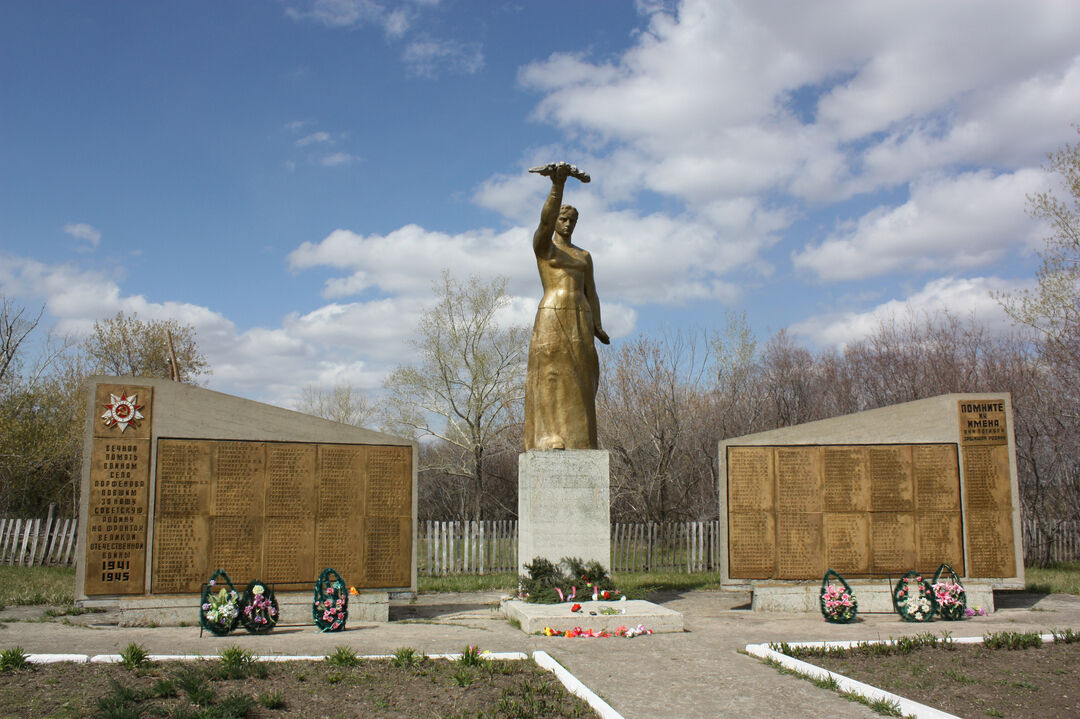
871	595
696	673
178	610
535	617
564	506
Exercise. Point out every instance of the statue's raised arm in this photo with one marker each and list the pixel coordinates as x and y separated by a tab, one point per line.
563	371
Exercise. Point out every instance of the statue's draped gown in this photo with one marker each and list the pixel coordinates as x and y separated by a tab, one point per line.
563	370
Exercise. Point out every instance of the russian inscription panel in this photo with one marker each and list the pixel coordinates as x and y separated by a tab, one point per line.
115	557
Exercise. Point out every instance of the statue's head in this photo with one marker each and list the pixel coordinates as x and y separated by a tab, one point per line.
567	220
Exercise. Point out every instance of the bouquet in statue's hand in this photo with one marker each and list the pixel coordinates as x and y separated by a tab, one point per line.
549	169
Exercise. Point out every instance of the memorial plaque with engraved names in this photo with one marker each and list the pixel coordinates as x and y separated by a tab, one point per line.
119	491
892	542
937	478
752	545
181	560
886	507
799	545
940	540
290	485
845	480
282	511
798	479
990	544
239	479
891	485
847	542
988	498
750	479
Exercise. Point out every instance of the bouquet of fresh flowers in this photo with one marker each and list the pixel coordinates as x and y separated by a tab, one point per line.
913	599
330	606
837	601
259	610
949	596
219	607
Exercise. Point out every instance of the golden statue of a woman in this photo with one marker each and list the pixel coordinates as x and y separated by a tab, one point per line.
563	371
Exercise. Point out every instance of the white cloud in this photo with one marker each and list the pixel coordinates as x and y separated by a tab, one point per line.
83	232
821	100
949	223
337	159
429	57
959	296
351	13
315	137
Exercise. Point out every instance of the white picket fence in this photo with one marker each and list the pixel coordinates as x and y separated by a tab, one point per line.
1064	545
491	546
32	542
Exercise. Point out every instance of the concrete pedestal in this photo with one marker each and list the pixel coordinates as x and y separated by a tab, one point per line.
564	506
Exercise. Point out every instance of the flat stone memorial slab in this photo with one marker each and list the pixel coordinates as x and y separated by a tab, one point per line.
534	617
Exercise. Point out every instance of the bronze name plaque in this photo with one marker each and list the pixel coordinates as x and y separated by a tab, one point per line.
115	559
281	512
863	510
984	451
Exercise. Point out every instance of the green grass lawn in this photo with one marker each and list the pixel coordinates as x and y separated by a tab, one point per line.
36	585
1057	577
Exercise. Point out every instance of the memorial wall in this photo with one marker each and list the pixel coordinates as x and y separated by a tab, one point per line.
938	487
182	481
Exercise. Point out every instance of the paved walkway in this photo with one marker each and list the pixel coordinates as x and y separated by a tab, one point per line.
698	673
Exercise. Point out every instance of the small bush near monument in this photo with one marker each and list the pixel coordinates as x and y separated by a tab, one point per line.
569	580
288	690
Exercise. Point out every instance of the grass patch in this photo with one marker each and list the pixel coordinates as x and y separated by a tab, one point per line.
638	585
36	585
505	581
1054	578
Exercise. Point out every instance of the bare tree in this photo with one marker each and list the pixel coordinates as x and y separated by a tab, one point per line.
15	327
342	403
652	411
466	387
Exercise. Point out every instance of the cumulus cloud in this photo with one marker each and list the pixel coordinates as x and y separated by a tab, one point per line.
962	222
821	100
959	296
84	233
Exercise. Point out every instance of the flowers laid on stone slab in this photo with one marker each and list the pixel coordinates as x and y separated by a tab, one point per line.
571	579
837	601
219	606
628	632
974	612
258	608
950	600
330	604
913	599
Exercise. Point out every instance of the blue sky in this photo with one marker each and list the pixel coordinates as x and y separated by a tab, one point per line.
291	176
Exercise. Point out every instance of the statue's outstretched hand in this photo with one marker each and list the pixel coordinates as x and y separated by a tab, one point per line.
602	336
553	169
